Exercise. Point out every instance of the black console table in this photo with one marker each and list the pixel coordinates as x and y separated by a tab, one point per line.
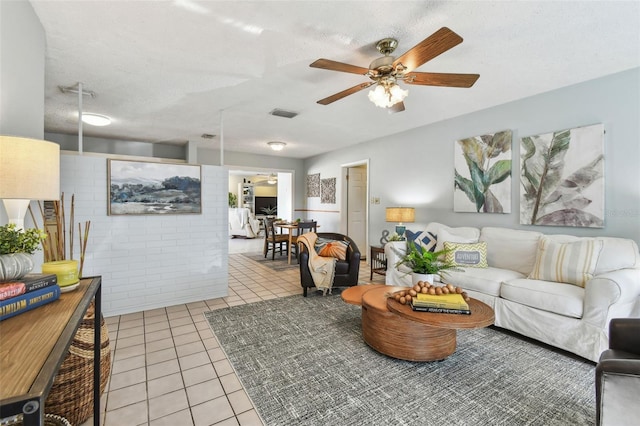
34	344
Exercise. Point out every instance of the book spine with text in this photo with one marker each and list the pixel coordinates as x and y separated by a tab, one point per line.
26	302
441	310
28	283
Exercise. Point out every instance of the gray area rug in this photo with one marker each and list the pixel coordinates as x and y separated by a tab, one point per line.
303	362
278	264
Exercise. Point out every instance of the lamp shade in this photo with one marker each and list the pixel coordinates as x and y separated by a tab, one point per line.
400	214
29	169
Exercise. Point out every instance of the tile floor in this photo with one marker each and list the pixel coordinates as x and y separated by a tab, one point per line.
168	368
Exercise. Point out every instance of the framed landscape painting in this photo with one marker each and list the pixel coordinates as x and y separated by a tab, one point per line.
562	178
141	188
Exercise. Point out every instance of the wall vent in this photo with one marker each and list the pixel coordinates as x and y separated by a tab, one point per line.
283	113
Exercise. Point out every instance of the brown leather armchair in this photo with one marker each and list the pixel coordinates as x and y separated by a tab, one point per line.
618	375
346	270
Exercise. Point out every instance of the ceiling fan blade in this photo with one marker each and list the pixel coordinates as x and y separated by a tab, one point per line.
432	46
345	93
328	64
399	107
441	79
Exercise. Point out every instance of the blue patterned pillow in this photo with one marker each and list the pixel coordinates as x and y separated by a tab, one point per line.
423	241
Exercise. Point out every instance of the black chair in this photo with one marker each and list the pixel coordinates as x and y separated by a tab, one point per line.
618	375
303	228
347	271
273	240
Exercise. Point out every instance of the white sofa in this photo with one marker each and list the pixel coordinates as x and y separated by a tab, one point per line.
567	316
242	223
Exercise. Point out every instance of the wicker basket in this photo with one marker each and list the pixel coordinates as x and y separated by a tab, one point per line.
71	395
49	420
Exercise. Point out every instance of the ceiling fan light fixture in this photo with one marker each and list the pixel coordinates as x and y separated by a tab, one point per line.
273	179
276	145
95	119
385	96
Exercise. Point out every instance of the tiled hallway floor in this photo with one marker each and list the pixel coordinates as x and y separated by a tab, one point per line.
168	368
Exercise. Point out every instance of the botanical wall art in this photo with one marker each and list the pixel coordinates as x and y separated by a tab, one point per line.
483	173
137	187
313	185
562	178
328	191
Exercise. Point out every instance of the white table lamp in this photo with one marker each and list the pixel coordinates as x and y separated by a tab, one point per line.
29	170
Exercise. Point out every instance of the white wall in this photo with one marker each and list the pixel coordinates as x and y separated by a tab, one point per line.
22	45
119	147
22	49
150	261
415	168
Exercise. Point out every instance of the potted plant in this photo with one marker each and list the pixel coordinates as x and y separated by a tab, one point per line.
233	199
270	211
16	248
424	264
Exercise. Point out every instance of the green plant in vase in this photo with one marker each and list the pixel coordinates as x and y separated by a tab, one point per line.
14	240
270	210
426	263
233	199
16	248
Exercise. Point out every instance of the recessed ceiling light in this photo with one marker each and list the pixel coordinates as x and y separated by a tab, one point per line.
96	119
276	145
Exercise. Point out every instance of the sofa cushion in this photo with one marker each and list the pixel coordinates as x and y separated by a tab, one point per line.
483	280
571	262
470	255
456	235
559	298
617	253
424	240
511	248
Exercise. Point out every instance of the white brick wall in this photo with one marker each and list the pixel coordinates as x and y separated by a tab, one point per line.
149	261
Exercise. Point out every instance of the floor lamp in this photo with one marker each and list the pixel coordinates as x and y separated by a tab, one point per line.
29	170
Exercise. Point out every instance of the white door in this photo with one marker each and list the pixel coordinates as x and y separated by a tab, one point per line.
357	207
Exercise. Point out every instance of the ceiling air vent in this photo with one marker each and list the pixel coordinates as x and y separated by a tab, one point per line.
207	136
283	113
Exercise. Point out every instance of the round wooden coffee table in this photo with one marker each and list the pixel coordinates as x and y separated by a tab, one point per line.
398	331
353	295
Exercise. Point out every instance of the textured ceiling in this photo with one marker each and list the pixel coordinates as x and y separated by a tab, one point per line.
164	70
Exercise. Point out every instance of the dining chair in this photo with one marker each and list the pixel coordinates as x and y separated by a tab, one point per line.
303	227
273	240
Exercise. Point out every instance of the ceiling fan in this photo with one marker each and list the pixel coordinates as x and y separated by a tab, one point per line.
386	71
261	179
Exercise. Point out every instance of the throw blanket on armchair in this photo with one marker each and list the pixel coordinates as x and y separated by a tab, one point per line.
322	268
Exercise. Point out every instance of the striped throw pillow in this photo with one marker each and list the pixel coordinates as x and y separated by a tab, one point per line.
572	263
472	255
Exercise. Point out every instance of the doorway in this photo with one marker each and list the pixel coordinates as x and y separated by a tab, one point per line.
355	215
271	188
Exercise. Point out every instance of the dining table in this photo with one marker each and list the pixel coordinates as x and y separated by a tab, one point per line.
291	227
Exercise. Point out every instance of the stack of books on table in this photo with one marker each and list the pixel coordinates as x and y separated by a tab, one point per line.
27	293
446	304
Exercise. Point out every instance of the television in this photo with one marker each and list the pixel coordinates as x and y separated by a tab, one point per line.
262	202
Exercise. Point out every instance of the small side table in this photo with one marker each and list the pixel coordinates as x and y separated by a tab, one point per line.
378	261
